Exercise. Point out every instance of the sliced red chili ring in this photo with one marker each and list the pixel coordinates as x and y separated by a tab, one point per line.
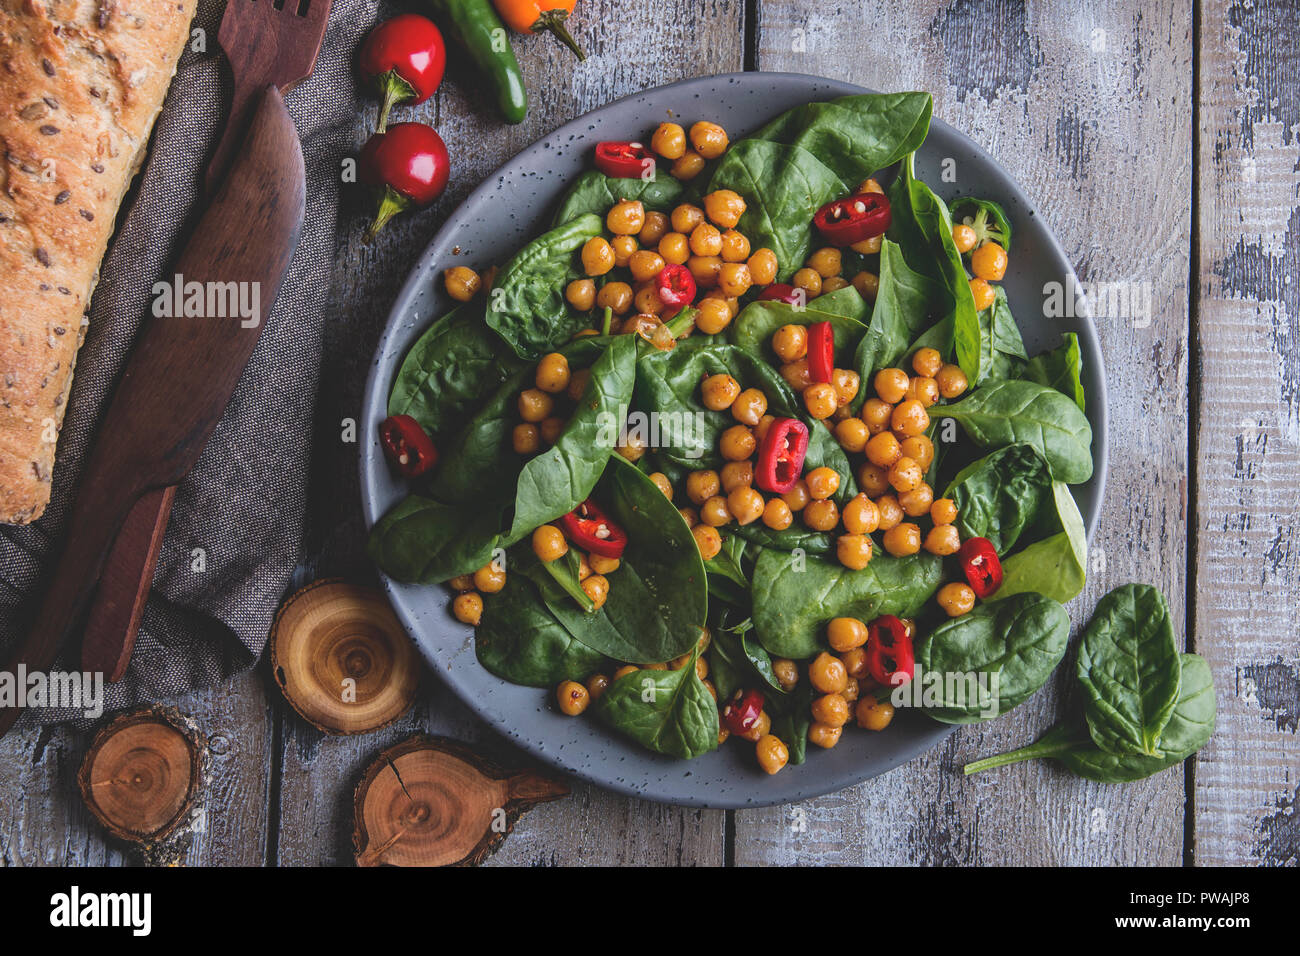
889	651
821	351
742	712
980	564
676	285
780	292
589	528
846	221
780	456
407	445
624	160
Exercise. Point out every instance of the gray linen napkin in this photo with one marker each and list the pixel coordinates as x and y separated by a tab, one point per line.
237	526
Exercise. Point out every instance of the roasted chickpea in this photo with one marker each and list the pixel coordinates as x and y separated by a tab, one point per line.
655	228
715	512
820	400
735	247
549	543
581	294
796	374
633	449
534	404
702	485
821	515
616	296
927	362
902	539
462	582
851	691
462	283
883	450
871	186
625	670
834	284
918	447
809	280
578	383
734	279
797	497
602	565
989	262
786	672
597	256
876	414
737	443
624	247
706	240
909	418
597	588
824	735
763	266
916	503
855	662
724	208
790	342
861	516
982	293
525	439
749	407
867	284
468	608
822	482
675	248
891	512
874	714
597	684
709	139
584	566
690	165
832	710
490	578
553	373
745	504
943	540
705	269
891	385
572	698
943	511
956	599
845	633
852	434
690	516
827	673
951	381
761	727
712	314
870	246
645	264
777	514
964	237
669	141
853	550
686	217
719	391
761	429
873	479
771	753
737	474
826	262
923	390
905	474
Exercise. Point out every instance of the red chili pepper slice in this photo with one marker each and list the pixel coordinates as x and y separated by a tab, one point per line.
589	528
821	352
676	285
846	221
889	651
743	710
624	160
980	564
407	445
780	292
780	456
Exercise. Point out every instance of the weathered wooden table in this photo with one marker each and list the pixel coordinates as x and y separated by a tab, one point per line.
1162	144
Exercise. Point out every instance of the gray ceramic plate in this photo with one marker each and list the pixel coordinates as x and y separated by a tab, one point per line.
513	206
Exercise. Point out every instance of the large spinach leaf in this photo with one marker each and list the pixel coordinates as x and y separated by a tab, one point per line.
519	640
1017	643
669	712
1061	369
1057	566
1001	496
796	594
526	304
906	305
1129	670
593	193
1006	412
427	541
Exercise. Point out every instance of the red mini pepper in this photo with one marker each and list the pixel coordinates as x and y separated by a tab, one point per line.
407	445
589	528
889	651
846	221
780	292
821	352
625	160
980	564
780	456
742	712
676	285
404	57
408	165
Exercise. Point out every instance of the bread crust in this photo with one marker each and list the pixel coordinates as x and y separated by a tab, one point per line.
81	82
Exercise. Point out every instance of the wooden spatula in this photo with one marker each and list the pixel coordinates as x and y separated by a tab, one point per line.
268	42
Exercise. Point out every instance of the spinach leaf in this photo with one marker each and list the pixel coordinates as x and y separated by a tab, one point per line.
796	594
726	577
427	541
744	663
519	640
452	367
1129	670
791	717
1001	496
845	309
1061	369
1006	412
1056	566
669	712
1020	640
526	304
593	193
1006	334
986	217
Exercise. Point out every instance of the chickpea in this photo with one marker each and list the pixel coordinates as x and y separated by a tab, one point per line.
905	475
709	139
867	284
715	512
734	279
737	474
832	709
956	599
834	284
490	578
982	293
822	482
737	443
735	247
824	735
891	385
920	448
597	684
874	714
820	400
873	480
578	384
916	503
705	269
706	240
549	544
989	262
616	296
633	449
797	375
625	670
902	539
745	504
572	698
603	565
846	383
724	208
655	228
852	434
821	515
771	753
553	373
943	540
686	217
525	439
534	404
675	248
702	485
861	516
581	294
645	264
809	280
690	516
923	390
462	582
951	381
763	266
943	511
844	634
853	550
891	512
712	315
690	165
827	674
462	283
786	672
964	237
927	362
909	418
871	186
777	514
584	566
761	727
597	256
851	691
869	247
468	608
669	141
797	498
883	450
749	407
790	342
719	391
763	426
876	414
855	662
624	247
597	588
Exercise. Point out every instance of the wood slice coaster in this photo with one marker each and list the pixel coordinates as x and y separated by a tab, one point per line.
141	774
342	659
430	801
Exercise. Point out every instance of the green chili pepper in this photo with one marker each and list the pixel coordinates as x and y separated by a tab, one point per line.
478	29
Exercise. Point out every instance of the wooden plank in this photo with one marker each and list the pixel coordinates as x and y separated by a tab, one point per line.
665	41
1089	108
1248	468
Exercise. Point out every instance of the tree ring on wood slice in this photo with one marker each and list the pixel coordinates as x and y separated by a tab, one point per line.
342	659
430	801
141	775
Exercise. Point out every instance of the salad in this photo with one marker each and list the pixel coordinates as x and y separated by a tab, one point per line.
748	445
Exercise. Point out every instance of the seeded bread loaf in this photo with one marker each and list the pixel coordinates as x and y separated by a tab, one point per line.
81	82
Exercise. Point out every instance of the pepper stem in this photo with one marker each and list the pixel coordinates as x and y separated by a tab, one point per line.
682	322
390	204
392	90
553	21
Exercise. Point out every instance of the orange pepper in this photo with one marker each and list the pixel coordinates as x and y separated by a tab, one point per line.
536	16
